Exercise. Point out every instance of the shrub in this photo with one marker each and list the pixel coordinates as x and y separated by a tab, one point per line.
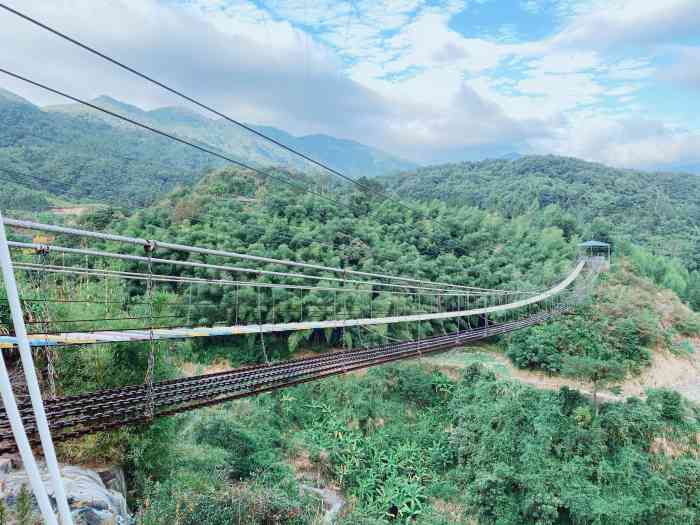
411	383
242	448
536	349
669	403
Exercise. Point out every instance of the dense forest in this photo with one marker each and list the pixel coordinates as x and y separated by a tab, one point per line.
412	443
658	210
420	443
362	231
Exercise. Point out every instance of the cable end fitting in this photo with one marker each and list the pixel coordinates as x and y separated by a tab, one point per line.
150	247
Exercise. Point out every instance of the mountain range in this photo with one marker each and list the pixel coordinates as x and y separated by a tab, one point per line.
81	153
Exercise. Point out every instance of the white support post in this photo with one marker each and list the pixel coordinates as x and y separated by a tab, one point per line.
25	450
37	402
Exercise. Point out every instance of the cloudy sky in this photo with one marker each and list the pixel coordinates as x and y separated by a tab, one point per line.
616	81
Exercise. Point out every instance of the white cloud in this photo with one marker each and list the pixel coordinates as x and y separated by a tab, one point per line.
391	73
604	23
632	143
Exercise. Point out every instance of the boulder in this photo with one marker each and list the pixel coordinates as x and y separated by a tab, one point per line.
90	501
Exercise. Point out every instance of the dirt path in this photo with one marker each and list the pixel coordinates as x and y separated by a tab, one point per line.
666	371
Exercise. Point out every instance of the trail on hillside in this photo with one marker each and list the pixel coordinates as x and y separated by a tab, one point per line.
680	373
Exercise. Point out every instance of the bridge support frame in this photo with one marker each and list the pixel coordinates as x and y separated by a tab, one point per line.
10	402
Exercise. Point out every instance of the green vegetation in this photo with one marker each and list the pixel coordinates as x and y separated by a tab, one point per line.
80	157
83	155
659	211
405	442
24	512
628	319
434	242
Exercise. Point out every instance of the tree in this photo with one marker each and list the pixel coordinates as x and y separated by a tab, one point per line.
24	508
602	374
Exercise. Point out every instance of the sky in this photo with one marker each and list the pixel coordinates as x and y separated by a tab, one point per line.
612	81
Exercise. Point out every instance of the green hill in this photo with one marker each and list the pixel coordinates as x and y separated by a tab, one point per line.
80	157
81	154
350	157
659	210
441	449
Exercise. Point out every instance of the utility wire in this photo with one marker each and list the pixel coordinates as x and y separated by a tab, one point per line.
200	148
194	101
68	192
72	192
158	131
206	107
165	134
237	269
220	253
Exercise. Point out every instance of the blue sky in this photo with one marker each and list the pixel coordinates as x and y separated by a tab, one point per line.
615	81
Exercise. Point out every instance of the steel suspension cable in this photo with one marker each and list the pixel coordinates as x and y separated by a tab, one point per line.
186	97
30	225
151	341
232	269
41	284
196	102
95	272
204	149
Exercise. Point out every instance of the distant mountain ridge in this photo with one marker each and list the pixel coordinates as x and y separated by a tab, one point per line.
87	154
78	156
348	156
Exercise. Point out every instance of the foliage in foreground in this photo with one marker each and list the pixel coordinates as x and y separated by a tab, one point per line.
405	444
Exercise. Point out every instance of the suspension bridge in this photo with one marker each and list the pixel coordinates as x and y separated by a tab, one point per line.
43	420
322	299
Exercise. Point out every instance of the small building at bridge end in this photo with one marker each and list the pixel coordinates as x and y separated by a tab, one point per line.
598	252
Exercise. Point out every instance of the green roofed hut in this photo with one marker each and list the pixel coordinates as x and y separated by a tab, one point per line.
598	251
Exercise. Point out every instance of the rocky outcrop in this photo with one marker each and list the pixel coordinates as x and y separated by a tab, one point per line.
93	501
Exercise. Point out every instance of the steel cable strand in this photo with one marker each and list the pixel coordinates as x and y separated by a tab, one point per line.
240	370
91	403
200	404
255	368
225	388
199	391
41	285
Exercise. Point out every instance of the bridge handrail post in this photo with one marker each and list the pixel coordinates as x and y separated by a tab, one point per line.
10	403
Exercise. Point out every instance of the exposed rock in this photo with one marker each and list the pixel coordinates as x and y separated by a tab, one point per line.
333	502
113	478
90	501
5	465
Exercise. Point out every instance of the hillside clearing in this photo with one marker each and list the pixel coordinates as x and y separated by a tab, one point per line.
680	373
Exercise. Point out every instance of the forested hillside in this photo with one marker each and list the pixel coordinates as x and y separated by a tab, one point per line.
78	153
232	211
348	156
659	210
80	157
404	441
